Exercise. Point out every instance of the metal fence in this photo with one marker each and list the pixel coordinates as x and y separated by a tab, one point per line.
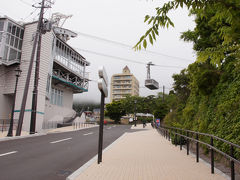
182	136
5	123
50	124
79	125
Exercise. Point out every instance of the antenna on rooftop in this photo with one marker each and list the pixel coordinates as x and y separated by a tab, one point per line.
59	19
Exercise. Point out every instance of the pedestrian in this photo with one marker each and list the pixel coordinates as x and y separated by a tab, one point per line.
144	123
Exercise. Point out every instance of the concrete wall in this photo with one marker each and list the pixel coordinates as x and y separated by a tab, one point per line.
7	85
57	113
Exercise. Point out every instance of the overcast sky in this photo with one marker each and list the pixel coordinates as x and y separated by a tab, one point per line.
119	21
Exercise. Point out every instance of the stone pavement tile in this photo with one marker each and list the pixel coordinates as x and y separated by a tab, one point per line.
145	155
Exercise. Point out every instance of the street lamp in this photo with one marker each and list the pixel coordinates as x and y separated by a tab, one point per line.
10	130
135	102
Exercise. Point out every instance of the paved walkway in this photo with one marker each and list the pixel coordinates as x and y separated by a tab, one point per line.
146	155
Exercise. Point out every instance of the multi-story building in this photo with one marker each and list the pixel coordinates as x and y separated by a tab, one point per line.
123	84
62	72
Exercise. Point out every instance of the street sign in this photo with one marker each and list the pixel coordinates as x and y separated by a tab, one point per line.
103	87
102	74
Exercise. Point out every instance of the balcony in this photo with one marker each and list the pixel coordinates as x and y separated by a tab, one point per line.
77	84
69	67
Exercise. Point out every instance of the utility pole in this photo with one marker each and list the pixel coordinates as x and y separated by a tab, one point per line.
35	90
26	88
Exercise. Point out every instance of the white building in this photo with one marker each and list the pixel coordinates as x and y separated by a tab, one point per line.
62	73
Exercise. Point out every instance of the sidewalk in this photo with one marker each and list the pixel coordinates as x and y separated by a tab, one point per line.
146	155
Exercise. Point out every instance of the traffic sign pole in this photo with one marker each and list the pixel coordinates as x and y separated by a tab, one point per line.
102	85
100	141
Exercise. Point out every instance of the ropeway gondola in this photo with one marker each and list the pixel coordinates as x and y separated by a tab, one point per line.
150	83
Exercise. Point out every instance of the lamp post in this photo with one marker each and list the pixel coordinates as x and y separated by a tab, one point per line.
10	130
135	121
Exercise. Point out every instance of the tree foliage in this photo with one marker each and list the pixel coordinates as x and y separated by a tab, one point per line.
115	110
150	104
219	20
206	95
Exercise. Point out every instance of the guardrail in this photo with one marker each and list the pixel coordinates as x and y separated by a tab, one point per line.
186	136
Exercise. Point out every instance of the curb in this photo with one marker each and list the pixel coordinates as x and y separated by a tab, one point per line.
76	173
56	132
38	134
21	137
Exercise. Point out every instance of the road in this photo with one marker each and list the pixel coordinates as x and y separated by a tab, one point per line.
53	156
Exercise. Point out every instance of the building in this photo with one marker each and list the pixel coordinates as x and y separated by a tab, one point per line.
123	84
62	73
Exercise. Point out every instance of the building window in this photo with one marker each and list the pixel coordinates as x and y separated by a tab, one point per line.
127	77
11	41
117	77
1	25
56	97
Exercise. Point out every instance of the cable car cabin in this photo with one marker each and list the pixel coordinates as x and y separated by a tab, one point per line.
151	84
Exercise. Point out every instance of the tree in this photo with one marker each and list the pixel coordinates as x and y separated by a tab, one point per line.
221	16
115	110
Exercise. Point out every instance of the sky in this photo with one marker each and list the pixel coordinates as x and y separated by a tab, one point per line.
107	31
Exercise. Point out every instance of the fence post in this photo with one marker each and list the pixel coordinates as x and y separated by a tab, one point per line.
176	138
197	148
180	140
232	164
187	143
3	125
169	134
212	157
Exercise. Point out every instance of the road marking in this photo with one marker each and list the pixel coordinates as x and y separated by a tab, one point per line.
88	134
8	153
60	140
109	127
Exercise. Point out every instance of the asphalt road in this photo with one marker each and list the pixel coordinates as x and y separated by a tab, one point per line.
53	156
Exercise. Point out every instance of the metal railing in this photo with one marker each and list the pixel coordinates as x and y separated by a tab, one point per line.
50	124
79	125
4	124
183	136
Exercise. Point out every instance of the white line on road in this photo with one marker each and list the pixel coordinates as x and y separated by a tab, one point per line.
88	134
60	140
109	127
8	153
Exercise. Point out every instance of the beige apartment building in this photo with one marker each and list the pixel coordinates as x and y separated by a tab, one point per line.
123	84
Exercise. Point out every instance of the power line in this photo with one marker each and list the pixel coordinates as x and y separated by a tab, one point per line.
131	47
124	59
24	2
93	80
29	14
